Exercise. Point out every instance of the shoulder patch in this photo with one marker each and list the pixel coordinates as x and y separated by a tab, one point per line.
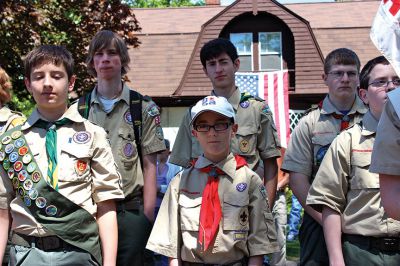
147	98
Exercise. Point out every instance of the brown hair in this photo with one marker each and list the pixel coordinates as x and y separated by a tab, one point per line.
5	87
104	39
341	56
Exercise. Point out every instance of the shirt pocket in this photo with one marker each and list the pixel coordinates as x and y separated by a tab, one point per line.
245	141
269	221
361	177
321	144
74	163
236	212
189	212
127	151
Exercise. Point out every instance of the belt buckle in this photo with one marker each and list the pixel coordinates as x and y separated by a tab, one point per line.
48	243
390	244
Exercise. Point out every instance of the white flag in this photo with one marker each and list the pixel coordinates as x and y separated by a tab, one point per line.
385	31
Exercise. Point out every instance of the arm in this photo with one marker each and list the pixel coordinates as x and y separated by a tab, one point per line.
270	179
182	151
390	191
4	225
108	231
175	262
333	233
283	182
150	185
300	186
256	261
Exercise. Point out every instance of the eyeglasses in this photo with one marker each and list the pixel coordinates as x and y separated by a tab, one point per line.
340	74
384	83
217	127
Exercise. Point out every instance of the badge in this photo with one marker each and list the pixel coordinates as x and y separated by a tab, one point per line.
9	148
153	110
80	167
33	194
16	134
244	216
263	191
21	191
31	167
51	210
159	133
6	164
6	140
18	166
27	158
27	201
321	154
128	117
82	137
19	143
15	182
40	202
13	157
241	187
245	104
2	155
23	150
157	120
36	176
238	235
265	109
10	173
28	184
129	150
22	175
244	146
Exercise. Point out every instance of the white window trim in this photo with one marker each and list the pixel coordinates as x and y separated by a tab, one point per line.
269	53
251	54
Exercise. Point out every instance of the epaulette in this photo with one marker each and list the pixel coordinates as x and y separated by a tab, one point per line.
246	96
147	98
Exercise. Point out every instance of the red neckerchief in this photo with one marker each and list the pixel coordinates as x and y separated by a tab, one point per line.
210	211
345	119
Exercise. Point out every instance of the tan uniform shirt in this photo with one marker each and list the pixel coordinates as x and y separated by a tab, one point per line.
313	135
246	227
119	128
344	184
9	119
386	154
255	139
80	141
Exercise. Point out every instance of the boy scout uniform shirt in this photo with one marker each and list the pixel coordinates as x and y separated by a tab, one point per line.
119	128
246	227
87	171
344	184
386	153
313	135
255	139
9	119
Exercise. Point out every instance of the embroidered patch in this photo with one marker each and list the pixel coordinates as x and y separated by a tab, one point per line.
6	164
13	157
21	191
159	133
27	201
157	120
210	100
10	173
128	117
244	216
15	182
22	175
241	187
41	202
27	158
18	166
23	150
129	150
9	148
19	143
244	146
265	109
16	134
81	137
80	167
51	210
33	194
153	110
245	104
31	167
28	184
36	176
238	235
263	191
6	140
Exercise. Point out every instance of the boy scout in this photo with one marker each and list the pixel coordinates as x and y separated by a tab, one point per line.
216	210
347	193
58	177
312	137
386	154
256	138
111	106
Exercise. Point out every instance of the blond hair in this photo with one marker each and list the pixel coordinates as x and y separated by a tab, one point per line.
5	87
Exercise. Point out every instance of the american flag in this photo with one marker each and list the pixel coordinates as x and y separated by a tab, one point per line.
274	88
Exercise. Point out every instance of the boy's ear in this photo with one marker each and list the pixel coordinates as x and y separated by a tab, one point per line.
236	64
71	83
28	85
194	133
234	129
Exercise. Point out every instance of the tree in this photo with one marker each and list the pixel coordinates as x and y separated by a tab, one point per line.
25	24
163	3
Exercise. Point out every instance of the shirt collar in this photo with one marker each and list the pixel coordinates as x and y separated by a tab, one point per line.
5	113
329	108
124	95
369	124
228	165
234	100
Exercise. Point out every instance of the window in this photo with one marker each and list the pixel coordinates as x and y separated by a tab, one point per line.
270	46
244	45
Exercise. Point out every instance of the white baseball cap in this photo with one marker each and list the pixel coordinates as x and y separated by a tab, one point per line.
216	104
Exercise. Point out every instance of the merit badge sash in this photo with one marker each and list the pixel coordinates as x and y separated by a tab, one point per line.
54	211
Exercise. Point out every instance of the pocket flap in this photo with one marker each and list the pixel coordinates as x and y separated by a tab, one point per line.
323	139
246	130
77	150
236	200
187	202
361	158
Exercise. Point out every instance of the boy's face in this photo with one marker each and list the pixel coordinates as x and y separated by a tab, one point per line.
107	63
215	144
49	86
342	86
221	71
375	96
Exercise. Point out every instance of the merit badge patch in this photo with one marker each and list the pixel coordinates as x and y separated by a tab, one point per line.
263	191
244	146
51	210
27	158
22	175
13	157
36	176
239	235
81	137
128	117
159	133
28	184
245	104
18	166
6	140
33	194
19	143
80	167
10	173
16	134
9	148
129	150
157	120
31	167
244	216
241	187
23	150
40	202
27	201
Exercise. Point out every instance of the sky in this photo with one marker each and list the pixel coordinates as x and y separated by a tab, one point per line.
228	2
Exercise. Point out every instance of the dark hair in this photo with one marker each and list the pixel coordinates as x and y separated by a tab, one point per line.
215	48
341	56
5	87
167	144
54	54
104	39
369	66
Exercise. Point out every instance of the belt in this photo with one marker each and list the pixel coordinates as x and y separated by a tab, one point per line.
131	204
379	243
43	243
241	262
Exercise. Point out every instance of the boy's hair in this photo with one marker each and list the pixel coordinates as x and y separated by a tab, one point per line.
54	54
5	87
341	56
369	66
102	40
216	47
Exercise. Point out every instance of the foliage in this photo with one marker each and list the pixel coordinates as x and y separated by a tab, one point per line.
25	24
163	3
